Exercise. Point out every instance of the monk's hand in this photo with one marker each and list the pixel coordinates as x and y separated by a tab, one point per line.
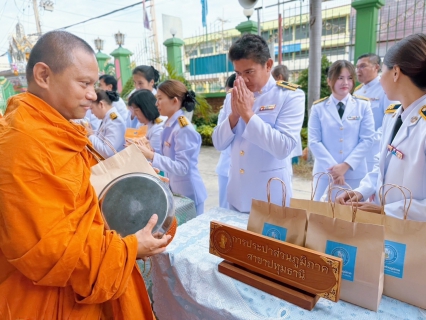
243	99
349	197
148	245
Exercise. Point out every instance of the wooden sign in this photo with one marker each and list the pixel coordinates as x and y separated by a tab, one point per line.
311	271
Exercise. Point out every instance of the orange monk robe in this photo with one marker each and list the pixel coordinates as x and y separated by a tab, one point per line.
57	261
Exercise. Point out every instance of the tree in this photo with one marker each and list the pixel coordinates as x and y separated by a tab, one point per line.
324	88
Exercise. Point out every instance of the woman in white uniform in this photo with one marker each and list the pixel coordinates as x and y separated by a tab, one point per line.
340	131
180	143
402	157
144	77
112	128
142	105
222	168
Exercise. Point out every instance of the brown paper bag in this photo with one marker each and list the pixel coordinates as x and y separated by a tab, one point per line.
279	222
361	248
324	208
128	160
405	256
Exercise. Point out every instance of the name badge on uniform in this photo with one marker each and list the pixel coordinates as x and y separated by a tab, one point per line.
353	117
270	107
395	152
374	99
167	144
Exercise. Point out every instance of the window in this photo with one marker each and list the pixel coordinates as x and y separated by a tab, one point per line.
302	31
288	33
334	26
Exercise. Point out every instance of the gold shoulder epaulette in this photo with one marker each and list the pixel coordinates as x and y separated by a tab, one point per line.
288	85
183	121
113	116
320	100
392	108
359	87
360	97
423	112
158	120
221	107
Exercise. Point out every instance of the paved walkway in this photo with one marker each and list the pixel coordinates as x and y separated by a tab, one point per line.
208	159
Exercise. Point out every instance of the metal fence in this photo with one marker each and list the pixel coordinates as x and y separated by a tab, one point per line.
205	58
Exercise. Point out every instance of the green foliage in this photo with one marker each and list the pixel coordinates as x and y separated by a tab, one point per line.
324	89
203	108
206	132
199	120
304	136
128	87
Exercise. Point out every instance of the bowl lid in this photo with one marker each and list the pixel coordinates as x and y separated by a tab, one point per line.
128	202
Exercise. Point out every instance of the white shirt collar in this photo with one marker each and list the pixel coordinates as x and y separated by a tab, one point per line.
373	82
344	100
414	105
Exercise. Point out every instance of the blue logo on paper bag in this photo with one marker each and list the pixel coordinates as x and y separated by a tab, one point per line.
341	253
274	231
394	258
348	255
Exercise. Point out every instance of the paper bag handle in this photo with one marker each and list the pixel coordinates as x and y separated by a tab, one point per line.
332	204
392	186
98	157
313	191
283	188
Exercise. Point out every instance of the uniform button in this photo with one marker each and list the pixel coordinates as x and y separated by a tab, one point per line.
340	151
341	128
241	171
341	140
242	152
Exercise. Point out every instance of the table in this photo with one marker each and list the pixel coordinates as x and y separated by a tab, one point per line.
184	211
188	286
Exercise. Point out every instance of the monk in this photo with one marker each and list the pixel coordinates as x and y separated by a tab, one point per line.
57	260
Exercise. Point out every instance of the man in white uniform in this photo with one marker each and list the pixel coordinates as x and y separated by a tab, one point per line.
367	68
264	118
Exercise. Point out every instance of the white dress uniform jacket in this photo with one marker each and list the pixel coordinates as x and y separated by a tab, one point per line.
121	107
260	147
333	140
112	129
379	102
180	147
153	134
94	122
222	168
408	171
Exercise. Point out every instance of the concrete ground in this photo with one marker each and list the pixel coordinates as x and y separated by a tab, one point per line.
207	162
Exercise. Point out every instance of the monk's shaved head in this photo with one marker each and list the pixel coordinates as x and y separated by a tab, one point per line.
55	48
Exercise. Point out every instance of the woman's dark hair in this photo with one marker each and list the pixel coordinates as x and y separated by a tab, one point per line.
108	96
108	79
230	81
174	88
409	55
145	101
250	46
148	72
335	70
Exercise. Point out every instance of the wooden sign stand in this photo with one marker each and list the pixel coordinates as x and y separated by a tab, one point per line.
280	290
293	273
